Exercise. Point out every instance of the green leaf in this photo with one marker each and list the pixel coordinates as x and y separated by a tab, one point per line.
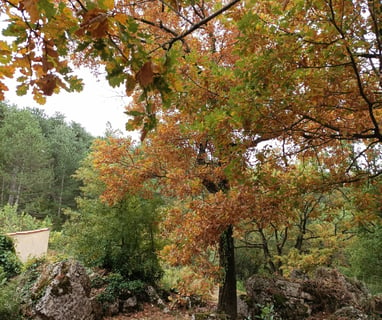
22	89
134	113
47	7
75	83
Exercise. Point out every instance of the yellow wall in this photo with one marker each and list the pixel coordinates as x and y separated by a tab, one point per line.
30	244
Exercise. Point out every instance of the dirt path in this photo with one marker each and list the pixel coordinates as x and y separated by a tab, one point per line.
150	312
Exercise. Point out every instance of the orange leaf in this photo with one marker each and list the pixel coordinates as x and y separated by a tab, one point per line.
31	7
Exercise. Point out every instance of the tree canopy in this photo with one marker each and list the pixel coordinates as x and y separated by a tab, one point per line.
217	88
38	157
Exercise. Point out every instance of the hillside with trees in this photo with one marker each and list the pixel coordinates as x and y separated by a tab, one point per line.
260	150
39	155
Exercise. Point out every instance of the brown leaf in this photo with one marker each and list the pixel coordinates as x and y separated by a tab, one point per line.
31	7
96	22
47	84
145	76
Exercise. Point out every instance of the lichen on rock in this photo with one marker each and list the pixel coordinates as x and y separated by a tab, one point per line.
61	292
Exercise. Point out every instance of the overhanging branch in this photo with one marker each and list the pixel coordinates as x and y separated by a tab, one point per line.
199	24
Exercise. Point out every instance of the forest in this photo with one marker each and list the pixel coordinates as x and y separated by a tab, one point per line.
259	152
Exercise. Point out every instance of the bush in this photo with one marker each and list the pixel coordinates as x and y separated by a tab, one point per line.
12	221
120	238
9	263
365	256
9	298
117	287
248	262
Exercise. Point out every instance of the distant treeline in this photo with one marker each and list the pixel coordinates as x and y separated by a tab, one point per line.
38	156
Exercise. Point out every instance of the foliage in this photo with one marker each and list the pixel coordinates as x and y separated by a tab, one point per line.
9	298
24	161
215	87
9	263
267	312
13	221
117	287
39	155
119	237
304	226
32	270
248	261
186	282
366	256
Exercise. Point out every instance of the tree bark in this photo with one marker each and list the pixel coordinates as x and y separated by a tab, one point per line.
227	291
13	187
61	196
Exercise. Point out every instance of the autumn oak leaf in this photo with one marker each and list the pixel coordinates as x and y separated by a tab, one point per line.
31	7
145	76
95	22
130	83
47	84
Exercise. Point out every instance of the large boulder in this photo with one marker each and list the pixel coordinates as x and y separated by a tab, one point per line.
286	298
329	294
61	292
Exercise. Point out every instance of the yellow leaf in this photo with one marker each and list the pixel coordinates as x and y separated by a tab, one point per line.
108	4
121	18
38	97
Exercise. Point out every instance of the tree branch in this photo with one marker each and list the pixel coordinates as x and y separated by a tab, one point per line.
200	23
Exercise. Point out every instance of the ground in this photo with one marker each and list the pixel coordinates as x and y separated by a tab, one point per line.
150	312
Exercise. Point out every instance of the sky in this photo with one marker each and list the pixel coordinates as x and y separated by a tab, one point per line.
93	107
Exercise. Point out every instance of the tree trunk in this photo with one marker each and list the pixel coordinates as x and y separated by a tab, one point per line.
60	197
2	191
13	187
227	291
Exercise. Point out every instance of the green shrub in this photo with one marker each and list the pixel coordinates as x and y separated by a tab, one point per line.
12	221
120	238
8	260
9	298
117	287
365	256
248	262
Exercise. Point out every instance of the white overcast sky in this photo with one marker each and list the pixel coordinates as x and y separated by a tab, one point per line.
93	108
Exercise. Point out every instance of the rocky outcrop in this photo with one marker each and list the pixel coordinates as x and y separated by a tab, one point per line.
329	295
61	292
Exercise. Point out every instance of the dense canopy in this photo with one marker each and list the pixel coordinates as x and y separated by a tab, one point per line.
221	91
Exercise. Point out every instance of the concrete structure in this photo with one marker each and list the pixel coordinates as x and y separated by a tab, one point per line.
30	244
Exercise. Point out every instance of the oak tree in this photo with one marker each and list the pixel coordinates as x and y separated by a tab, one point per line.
215	81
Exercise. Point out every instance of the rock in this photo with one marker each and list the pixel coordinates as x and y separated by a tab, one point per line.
242	306
283	296
112	308
349	313
62	292
154	297
376	305
329	293
130	304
